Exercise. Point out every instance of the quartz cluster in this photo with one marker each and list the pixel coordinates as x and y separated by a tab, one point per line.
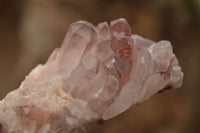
98	73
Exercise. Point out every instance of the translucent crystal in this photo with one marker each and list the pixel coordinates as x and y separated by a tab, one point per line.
98	73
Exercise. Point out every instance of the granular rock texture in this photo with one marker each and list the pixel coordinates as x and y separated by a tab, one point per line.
98	73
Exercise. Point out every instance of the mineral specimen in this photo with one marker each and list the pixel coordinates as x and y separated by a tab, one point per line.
98	73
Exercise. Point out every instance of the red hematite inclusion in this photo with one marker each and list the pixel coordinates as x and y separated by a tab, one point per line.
98	73
121	45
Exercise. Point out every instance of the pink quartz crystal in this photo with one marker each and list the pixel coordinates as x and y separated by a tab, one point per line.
98	73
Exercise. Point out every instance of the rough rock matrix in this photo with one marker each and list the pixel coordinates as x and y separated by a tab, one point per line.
98	73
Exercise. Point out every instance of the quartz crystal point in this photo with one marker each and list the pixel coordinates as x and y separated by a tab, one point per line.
98	73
